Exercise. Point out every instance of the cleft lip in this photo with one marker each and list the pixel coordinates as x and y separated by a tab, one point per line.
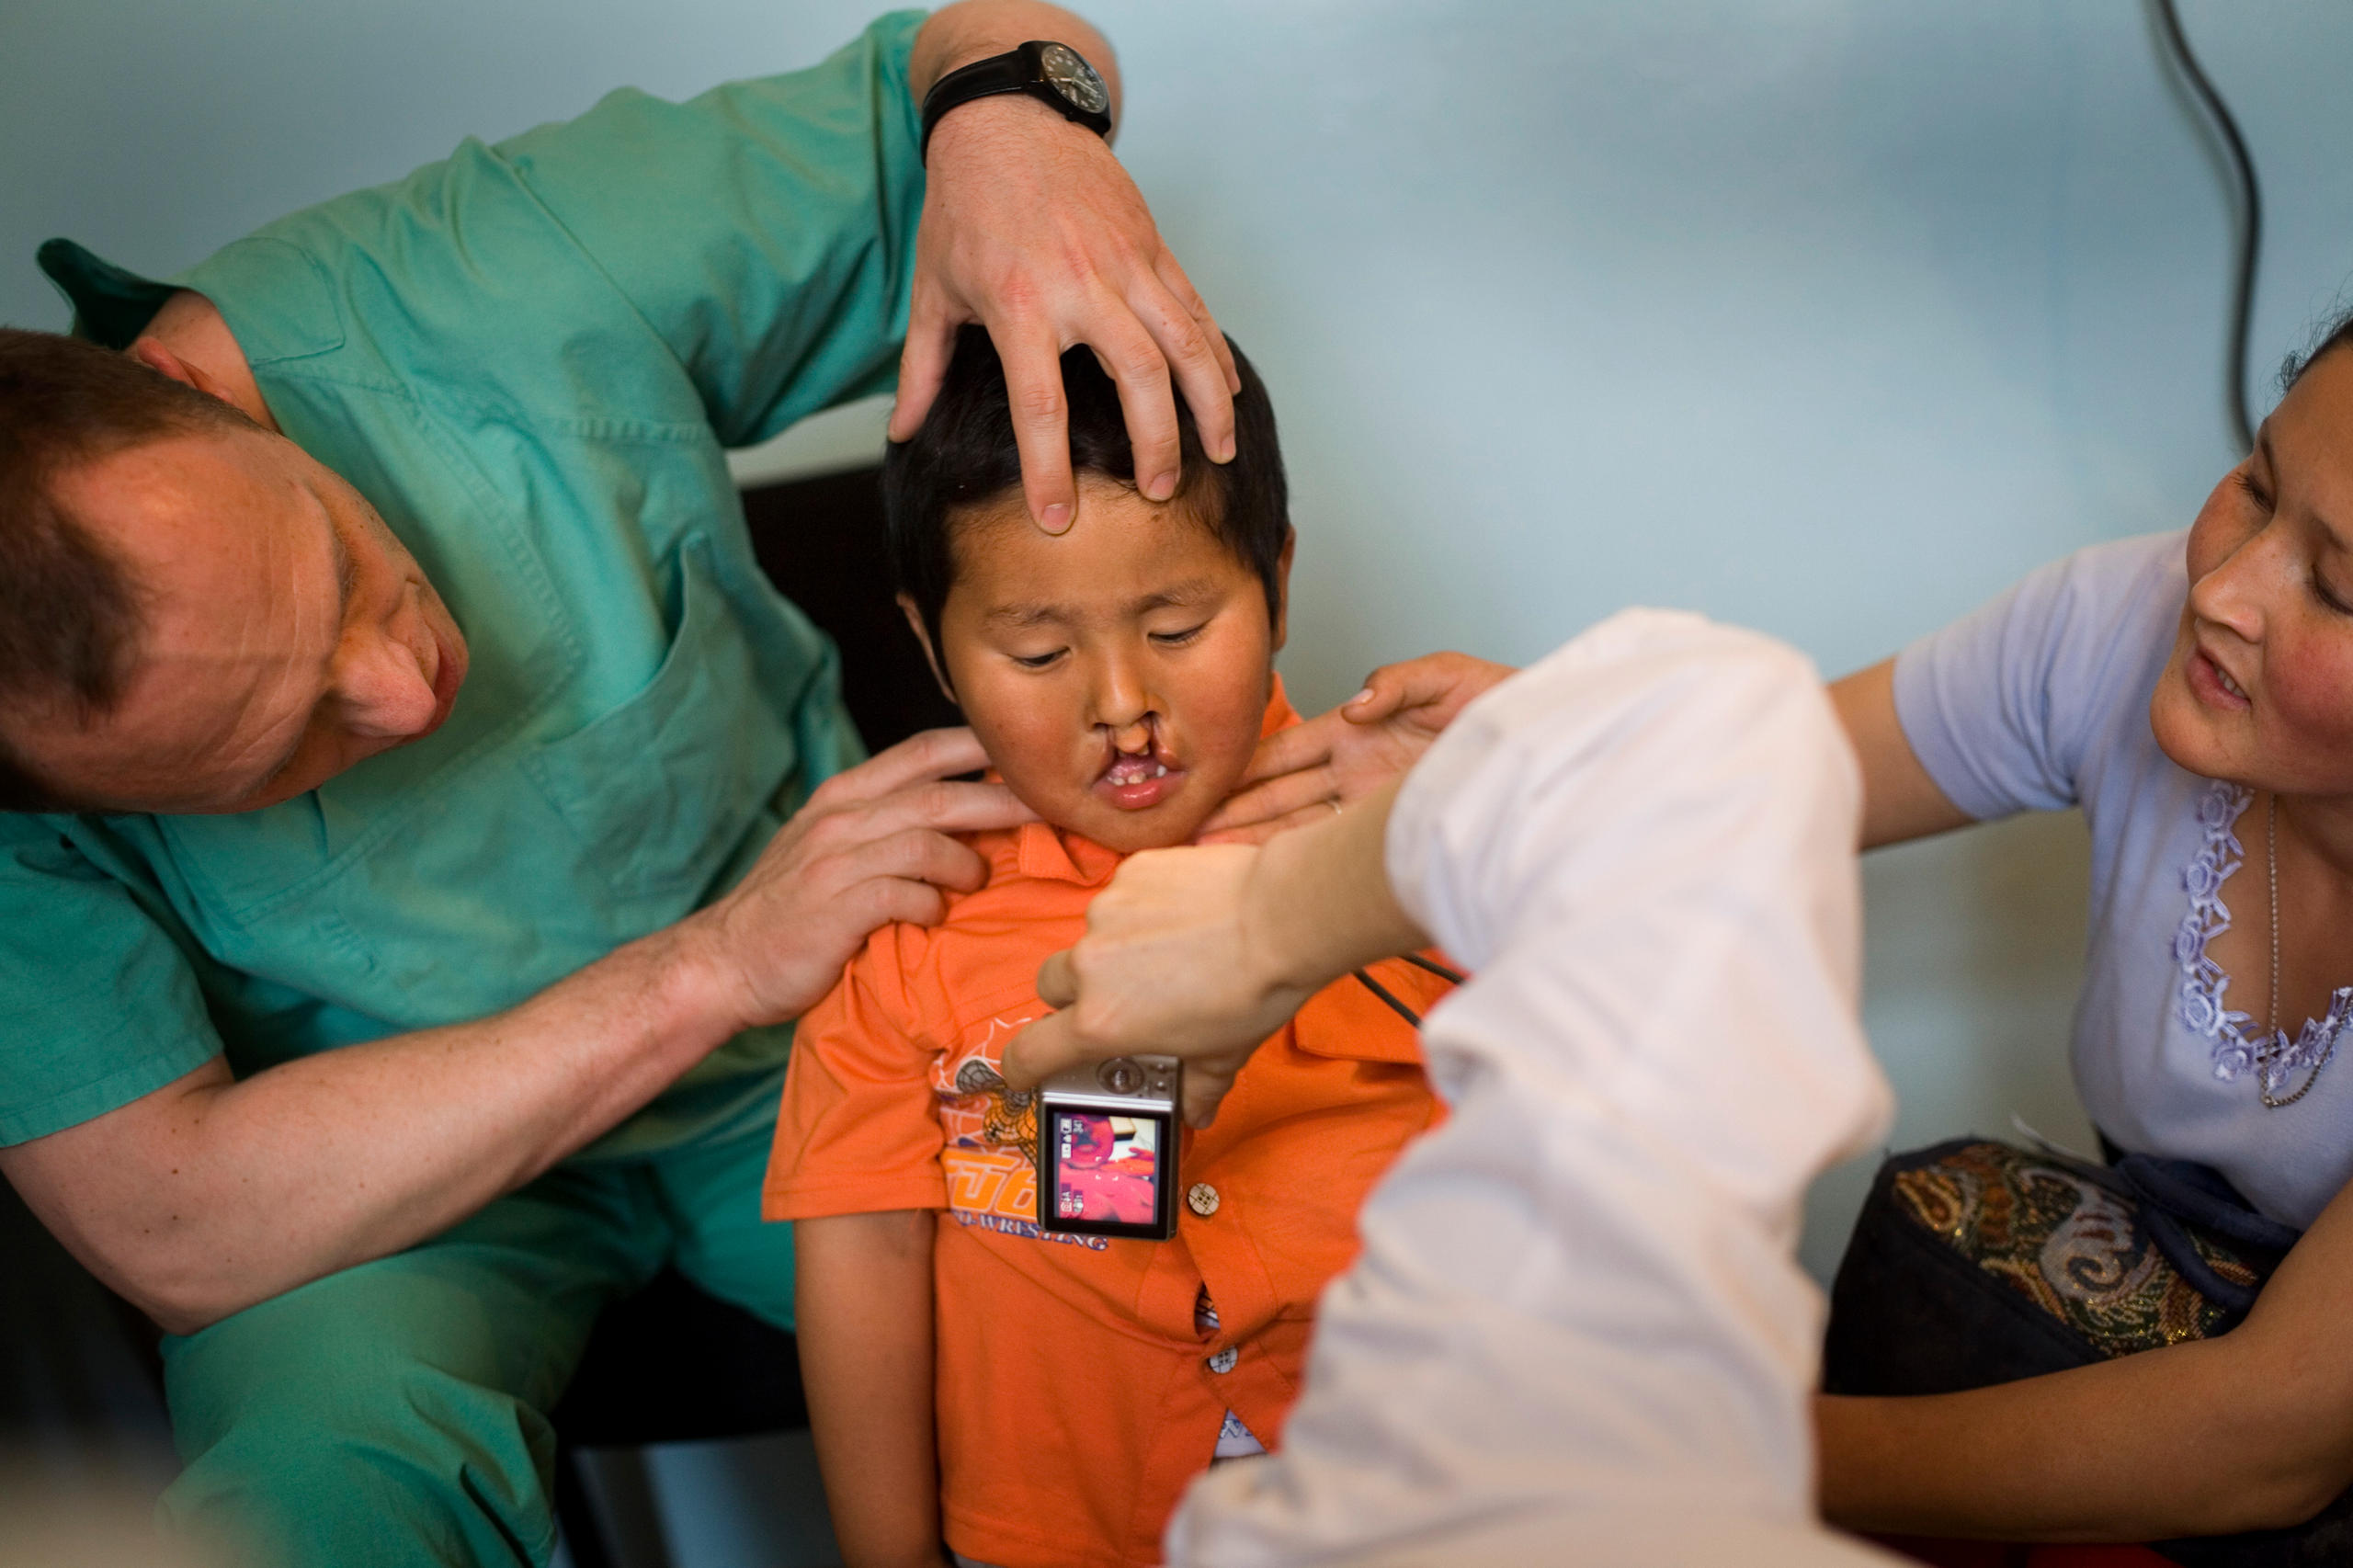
1136	767
1140	780
1128	768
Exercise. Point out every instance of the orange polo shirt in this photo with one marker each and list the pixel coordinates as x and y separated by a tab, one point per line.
1076	1395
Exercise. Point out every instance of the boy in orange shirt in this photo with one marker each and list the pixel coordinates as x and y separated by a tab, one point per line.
1039	1397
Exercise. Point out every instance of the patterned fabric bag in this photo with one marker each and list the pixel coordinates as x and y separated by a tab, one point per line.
1976	1263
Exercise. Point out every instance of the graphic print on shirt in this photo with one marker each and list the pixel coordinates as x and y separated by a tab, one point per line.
990	1152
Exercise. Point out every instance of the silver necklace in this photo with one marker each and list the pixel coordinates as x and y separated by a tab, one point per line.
2278	1045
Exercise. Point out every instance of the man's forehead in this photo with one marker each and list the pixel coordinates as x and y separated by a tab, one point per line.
201	505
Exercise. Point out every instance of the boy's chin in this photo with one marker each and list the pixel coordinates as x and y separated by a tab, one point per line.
1161	827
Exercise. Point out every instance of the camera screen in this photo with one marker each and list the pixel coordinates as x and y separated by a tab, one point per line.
1107	1168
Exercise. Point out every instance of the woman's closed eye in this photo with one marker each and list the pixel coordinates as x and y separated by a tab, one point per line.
1179	639
2328	595
1038	661
2253	488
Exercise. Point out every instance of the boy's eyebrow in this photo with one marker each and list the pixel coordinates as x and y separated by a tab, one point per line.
1191	590
1027	615
1036	613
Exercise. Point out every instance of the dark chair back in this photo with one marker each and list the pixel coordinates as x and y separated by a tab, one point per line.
672	1364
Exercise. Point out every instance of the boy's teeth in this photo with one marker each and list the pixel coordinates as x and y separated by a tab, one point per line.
1136	770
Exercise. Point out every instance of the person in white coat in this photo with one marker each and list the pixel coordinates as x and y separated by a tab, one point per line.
1577	1331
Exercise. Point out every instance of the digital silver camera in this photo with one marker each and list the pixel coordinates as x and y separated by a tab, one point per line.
1107	1148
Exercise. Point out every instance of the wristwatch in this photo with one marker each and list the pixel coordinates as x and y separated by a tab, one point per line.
1054	73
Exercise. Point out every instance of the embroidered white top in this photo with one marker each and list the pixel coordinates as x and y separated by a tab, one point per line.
2040	701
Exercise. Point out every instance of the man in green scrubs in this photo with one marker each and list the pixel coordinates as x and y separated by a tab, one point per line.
442	820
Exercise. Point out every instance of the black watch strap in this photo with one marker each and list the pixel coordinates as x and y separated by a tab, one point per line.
1054	73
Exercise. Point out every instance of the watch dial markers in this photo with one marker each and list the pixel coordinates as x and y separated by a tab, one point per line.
1074	78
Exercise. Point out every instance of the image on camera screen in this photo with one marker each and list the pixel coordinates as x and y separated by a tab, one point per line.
1106	1167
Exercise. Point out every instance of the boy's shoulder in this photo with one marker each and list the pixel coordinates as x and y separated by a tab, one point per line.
986	949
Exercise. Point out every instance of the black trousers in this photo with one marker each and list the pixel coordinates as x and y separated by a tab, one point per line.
1974	1263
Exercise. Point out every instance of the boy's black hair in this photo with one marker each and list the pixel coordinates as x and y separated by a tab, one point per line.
965	456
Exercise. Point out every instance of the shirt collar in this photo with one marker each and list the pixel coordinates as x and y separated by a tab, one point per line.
275	296
1052	855
111	305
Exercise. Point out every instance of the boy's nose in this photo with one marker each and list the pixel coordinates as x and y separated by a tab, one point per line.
1122	705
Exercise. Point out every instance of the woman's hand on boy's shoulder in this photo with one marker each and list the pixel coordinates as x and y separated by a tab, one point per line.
1302	774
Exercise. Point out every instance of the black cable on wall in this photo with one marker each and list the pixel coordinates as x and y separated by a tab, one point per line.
2250	234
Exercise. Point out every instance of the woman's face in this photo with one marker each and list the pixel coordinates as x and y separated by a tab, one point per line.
2259	689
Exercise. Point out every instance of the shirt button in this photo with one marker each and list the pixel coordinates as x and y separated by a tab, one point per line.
1201	1199
1224	1359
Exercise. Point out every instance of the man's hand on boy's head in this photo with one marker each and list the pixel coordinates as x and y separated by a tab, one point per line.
1031	227
1301	774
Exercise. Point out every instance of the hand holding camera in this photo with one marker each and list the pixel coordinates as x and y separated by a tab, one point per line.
1107	1148
1166	965
1203	953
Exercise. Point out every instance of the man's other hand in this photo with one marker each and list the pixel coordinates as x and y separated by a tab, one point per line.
1299	775
1031	228
871	846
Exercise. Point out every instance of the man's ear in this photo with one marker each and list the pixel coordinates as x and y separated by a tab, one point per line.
163	363
1282	590
930	655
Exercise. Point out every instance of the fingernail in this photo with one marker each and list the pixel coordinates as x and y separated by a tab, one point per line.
1056	520
1225	452
1161	486
1364	696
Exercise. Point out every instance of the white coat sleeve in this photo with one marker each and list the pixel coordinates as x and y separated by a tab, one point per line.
1578	1331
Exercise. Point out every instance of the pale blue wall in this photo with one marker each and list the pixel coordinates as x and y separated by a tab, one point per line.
1826	316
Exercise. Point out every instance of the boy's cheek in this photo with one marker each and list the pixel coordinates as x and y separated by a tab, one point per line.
1231	733
1033	745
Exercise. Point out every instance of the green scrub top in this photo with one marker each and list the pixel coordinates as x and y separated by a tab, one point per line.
530	358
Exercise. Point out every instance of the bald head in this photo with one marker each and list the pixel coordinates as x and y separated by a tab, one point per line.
284	635
195	614
71	608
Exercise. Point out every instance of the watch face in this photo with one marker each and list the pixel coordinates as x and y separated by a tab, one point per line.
1074	78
